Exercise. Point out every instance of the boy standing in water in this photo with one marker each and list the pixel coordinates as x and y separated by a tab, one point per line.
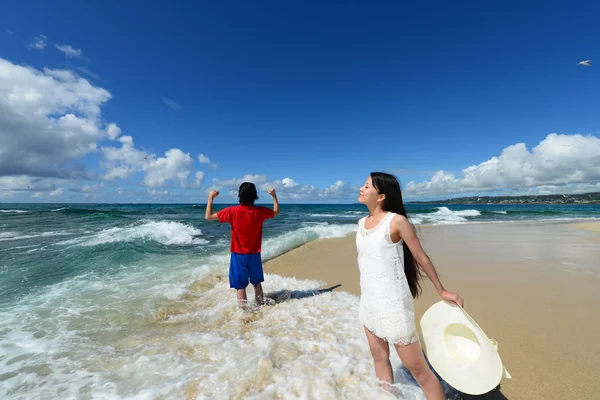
246	238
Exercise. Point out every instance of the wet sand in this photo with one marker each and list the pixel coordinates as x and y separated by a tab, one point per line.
531	286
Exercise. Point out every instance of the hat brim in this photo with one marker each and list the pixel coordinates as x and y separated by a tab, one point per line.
459	350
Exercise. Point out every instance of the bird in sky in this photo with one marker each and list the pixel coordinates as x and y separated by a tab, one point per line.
586	63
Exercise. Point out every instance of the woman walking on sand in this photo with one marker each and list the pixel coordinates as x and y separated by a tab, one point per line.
389	257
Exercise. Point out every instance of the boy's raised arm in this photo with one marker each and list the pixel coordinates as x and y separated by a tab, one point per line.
275	201
209	214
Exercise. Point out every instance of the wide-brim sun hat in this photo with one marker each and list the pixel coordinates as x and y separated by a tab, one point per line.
459	351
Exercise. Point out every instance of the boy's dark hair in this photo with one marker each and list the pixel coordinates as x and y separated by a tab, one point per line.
247	193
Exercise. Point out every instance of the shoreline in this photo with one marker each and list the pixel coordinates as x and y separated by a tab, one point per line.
531	285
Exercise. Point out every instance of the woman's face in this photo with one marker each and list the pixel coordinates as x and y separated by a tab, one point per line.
368	194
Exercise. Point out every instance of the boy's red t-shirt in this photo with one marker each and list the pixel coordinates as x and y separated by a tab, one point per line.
246	226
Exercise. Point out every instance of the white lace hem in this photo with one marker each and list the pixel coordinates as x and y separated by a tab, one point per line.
396	329
402	341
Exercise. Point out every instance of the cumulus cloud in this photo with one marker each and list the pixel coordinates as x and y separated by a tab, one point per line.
12	185
235	182
122	162
51	118
205	160
113	131
96	188
39	42
288	183
15	183
288	189
69	51
336	190
56	192
175	166
559	162
199	178
48	119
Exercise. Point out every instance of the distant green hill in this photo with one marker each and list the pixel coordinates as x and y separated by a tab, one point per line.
585	198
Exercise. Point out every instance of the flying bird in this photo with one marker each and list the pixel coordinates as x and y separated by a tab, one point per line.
586	63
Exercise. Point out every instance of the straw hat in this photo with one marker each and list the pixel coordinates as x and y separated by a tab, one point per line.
459	351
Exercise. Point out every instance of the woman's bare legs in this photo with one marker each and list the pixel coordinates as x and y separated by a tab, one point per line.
380	350
412	357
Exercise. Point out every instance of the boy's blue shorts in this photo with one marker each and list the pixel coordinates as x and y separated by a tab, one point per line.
244	268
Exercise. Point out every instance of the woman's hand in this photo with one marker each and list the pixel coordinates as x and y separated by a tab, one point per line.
452	297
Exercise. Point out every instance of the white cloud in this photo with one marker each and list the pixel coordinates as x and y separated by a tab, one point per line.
51	118
10	185
15	183
113	131
236	182
205	160
48	119
335	190
288	189
171	104
37	187
557	163
288	183
87	72
39	42
176	166
56	192
69	51
126	160
96	188
198	181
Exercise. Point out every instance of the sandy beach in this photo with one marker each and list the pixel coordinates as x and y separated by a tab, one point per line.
531	286
590	226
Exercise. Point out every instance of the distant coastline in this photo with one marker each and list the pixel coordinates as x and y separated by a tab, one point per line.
567	199
584	198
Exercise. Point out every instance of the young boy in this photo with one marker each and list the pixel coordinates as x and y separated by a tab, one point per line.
246	238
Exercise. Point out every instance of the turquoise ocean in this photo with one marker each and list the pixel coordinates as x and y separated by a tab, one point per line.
132	302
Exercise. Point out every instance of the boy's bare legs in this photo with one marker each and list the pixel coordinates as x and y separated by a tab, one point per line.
241	298
258	294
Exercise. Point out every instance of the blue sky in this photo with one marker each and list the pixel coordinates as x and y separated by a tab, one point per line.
308	97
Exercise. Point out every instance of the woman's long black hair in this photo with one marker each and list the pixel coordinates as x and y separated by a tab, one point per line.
388	184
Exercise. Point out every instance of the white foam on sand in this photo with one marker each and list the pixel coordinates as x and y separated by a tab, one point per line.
102	344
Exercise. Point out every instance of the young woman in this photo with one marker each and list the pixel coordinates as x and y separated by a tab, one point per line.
389	258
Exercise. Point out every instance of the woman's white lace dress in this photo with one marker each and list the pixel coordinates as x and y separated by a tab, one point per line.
386	304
